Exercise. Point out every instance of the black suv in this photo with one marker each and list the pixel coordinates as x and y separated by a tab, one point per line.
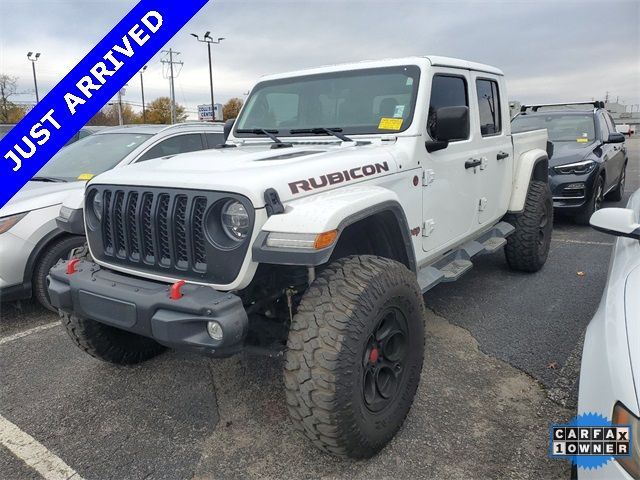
589	156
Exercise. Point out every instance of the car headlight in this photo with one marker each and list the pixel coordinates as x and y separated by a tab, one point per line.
577	168
622	416
235	220
7	223
97	204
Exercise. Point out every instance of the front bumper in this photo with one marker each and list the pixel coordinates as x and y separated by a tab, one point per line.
566	196
144	307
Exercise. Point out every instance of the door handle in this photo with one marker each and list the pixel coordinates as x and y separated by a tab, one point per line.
473	163
502	155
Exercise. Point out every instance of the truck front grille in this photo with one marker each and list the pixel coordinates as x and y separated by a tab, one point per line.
163	231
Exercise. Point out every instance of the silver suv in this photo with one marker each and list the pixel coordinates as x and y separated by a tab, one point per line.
31	243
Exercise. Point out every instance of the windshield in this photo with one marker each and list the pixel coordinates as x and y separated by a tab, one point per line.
561	127
91	156
379	100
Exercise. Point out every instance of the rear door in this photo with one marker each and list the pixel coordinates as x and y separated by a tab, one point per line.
493	146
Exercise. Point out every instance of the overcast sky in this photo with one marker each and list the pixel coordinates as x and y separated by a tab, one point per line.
550	50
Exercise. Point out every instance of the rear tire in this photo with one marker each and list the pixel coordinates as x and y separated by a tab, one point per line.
594	204
617	193
527	248
57	250
110	344
355	354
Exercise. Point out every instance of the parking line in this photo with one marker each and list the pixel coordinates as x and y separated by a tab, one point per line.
16	336
582	242
33	453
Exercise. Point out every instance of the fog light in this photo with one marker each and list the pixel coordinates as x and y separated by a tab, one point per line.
215	330
574	186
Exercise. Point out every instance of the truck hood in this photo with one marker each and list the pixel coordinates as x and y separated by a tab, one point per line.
35	195
251	169
570	152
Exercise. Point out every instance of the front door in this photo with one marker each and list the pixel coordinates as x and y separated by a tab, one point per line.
449	189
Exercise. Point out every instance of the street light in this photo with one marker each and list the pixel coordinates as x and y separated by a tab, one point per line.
208	39
144	111
33	59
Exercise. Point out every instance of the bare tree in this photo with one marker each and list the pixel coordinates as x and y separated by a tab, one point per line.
8	87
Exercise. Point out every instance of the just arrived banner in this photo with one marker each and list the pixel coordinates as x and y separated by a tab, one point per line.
88	87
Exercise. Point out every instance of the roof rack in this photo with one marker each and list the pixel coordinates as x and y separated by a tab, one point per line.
535	107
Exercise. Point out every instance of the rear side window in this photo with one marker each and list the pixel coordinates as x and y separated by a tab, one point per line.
446	91
175	145
214	139
489	107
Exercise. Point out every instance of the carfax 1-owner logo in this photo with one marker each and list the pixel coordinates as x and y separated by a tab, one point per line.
590	441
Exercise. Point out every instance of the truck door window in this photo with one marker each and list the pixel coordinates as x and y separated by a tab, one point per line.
446	91
489	107
214	139
174	145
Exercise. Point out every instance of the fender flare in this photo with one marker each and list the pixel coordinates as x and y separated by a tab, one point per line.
351	205
532	165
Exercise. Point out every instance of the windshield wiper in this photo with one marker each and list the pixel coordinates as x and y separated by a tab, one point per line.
269	133
48	179
320	130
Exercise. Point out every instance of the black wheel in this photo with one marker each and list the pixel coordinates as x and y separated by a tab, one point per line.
110	344
58	249
594	203
617	193
527	248
355	353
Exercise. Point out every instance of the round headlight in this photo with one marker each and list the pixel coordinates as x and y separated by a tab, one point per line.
235	220
97	205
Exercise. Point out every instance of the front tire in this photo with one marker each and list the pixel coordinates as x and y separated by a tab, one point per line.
355	354
527	248
109	344
594	204
59	249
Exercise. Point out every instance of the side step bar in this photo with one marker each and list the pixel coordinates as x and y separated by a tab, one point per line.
456	263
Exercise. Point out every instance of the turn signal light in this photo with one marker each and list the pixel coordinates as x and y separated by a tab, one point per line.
326	239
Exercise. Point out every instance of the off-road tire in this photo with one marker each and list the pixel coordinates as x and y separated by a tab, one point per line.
109	344
58	249
527	248
326	362
593	204
617	193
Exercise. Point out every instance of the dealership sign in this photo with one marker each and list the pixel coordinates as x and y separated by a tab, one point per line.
88	87
204	112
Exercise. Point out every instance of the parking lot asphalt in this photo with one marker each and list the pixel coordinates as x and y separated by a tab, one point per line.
503	355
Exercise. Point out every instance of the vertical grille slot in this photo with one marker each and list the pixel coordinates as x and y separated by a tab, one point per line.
199	249
148	253
132	226
118	224
180	232
106	215
164	250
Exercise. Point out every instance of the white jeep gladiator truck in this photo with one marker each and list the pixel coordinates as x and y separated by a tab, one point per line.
340	195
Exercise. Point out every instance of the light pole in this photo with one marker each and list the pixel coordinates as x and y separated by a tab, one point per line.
208	39
33	59
144	111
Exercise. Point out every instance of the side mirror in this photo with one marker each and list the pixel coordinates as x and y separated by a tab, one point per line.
550	148
615	137
616	221
451	123
228	126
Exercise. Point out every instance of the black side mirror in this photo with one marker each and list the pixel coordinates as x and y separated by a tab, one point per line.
228	126
451	123
615	137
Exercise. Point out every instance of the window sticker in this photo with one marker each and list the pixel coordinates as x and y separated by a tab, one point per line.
399	112
582	140
390	124
409	81
85	176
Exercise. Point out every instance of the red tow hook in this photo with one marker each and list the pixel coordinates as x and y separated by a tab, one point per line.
175	293
71	266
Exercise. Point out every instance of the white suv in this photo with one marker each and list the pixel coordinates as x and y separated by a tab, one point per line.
342	194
